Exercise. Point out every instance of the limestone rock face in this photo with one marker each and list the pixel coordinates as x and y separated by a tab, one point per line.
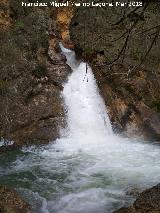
122	46
147	202
63	20
10	202
133	103
32	74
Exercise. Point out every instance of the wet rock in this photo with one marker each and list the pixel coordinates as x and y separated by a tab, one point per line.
8	148
131	89
126	210
134	191
11	202
147	202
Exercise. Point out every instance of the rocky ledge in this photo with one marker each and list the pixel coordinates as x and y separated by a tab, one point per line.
10	202
147	202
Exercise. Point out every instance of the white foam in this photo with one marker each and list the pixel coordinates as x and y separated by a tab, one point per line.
89	169
86	115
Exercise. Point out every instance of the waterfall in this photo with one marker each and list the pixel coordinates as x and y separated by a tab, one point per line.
89	169
86	111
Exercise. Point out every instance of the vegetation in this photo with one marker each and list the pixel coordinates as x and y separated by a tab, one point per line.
19	25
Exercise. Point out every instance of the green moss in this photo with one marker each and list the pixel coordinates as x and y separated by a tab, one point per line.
19	25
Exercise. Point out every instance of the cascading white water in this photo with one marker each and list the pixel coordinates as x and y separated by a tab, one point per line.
86	110
89	169
107	164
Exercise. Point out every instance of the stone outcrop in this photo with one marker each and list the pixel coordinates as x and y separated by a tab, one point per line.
122	46
147	202
10	202
32	73
5	19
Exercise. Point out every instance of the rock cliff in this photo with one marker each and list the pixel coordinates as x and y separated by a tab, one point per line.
122	46
32	73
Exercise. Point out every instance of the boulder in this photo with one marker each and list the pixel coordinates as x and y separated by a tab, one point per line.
147	202
11	202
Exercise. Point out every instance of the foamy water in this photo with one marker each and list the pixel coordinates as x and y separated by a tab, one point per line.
88	170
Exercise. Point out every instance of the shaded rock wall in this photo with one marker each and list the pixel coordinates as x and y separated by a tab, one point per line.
32	73
122	46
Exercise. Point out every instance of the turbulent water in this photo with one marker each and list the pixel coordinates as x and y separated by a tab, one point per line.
88	170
